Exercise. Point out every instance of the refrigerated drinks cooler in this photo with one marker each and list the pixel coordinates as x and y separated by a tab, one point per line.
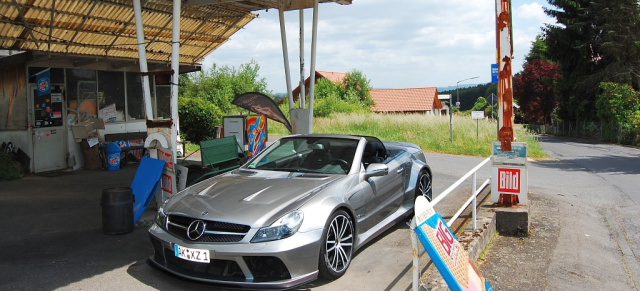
250	132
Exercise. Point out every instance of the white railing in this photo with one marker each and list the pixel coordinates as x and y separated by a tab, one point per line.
417	252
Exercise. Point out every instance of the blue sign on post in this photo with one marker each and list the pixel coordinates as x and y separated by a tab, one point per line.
494	73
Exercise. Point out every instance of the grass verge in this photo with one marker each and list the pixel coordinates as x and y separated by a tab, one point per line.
431	133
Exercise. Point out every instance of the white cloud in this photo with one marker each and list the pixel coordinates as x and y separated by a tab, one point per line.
396	44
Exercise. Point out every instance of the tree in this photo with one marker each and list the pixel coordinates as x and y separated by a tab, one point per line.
617	103
538	50
593	42
534	88
198	119
220	85
205	97
356	88
480	104
352	94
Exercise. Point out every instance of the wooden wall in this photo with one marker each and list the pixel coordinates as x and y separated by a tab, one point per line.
13	99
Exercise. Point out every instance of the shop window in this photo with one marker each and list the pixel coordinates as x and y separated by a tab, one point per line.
135	97
82	94
111	99
163	101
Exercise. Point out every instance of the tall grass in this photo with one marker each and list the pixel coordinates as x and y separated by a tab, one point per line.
431	133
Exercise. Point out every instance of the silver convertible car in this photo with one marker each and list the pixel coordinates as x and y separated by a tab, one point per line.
298	210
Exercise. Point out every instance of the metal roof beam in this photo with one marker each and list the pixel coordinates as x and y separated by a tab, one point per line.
25	23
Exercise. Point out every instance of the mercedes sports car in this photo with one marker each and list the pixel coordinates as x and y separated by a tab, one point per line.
298	210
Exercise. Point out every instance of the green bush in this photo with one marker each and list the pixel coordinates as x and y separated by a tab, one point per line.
198	119
635	127
8	170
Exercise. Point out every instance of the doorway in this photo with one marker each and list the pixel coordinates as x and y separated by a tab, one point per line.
49	131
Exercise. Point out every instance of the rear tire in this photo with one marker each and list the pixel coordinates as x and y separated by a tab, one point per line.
337	246
424	186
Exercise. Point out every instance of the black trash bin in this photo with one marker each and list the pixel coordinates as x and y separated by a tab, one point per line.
117	210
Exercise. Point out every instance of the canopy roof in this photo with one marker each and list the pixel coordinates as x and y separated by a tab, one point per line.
105	29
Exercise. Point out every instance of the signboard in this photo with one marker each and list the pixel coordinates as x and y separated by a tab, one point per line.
458	104
445	251
509	180
509	174
168	182
517	156
494	73
477	114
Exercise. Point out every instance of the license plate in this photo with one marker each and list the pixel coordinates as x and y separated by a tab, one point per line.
194	255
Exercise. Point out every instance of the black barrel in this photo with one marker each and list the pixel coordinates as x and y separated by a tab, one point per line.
117	210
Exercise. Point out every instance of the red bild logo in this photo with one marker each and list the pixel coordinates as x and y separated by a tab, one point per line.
509	180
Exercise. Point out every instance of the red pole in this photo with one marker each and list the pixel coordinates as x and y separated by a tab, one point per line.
505	83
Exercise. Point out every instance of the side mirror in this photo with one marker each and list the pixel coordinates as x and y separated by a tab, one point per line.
376	170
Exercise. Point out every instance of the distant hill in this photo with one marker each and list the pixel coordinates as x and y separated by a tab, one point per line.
451	88
469	94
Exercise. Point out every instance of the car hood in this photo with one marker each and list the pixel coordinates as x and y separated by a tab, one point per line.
255	198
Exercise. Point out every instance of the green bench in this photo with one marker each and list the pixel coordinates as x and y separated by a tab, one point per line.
218	156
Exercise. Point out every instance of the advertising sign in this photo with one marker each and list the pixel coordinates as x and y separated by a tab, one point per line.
445	251
509	180
168	182
494	73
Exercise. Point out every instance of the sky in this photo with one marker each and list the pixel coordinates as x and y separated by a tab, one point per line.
395	44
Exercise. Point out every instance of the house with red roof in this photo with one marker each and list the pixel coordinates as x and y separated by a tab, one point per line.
410	100
334	77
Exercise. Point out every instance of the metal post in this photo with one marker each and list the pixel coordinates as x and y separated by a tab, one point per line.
303	93
451	118
312	80
175	66
473	192
142	58
285	54
416	256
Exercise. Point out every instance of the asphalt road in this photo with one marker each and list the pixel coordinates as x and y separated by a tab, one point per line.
586	235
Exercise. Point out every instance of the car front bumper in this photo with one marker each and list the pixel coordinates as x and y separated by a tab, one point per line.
276	264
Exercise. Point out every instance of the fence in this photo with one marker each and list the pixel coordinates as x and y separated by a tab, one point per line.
608	132
417	252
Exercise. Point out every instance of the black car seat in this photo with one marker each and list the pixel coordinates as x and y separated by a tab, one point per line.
320	155
371	154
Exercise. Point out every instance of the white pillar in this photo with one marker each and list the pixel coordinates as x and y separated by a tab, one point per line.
285	54
312	80
175	67
142	57
302	91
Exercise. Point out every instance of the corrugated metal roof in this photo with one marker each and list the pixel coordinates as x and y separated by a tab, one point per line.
405	100
106	28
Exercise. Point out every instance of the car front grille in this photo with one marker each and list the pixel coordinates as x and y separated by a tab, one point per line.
215	231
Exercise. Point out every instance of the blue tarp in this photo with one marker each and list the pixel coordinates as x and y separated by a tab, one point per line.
144	185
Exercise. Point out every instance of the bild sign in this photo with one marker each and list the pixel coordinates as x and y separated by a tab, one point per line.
507	179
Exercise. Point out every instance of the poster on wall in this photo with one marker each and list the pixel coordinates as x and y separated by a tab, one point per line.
256	134
47	102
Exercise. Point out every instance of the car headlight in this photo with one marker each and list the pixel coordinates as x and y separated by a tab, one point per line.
161	218
284	227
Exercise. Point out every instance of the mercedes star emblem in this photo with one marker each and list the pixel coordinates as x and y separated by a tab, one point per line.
195	229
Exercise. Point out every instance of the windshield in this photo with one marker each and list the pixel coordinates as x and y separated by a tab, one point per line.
309	155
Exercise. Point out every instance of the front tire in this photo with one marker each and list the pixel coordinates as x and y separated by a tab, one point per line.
424	186
337	246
